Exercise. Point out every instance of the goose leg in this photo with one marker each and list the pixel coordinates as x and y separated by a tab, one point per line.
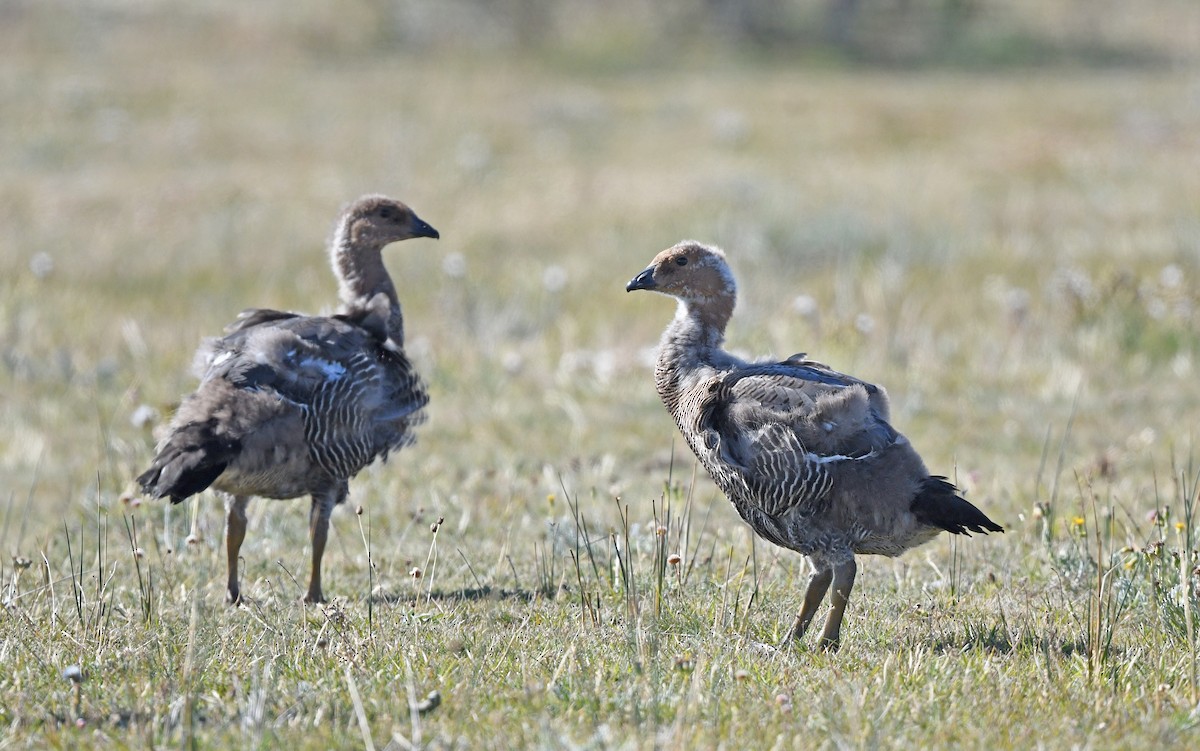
235	533
843	582
318	529
818	584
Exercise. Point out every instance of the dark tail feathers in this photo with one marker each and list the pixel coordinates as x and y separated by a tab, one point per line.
938	505
192	459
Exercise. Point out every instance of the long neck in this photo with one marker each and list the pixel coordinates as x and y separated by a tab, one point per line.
691	343
358	265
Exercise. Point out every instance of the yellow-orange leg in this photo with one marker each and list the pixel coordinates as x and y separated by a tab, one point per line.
318	528
843	582
818	584
235	533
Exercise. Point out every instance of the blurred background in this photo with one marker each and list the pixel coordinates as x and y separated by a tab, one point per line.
990	207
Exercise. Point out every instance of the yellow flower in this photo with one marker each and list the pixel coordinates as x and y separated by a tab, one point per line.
1178	526
1078	521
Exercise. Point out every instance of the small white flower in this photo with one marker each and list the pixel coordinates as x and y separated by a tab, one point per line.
1171	276
512	362
554	278
805	306
864	323
1073	284
1181	365
730	127
454	265
41	264
1017	301
143	416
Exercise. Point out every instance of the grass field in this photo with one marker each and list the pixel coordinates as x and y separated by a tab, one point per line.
1013	253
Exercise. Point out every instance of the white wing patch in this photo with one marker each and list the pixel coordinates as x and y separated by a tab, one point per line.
333	371
819	459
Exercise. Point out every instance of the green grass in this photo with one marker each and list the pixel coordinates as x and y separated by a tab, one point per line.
1013	254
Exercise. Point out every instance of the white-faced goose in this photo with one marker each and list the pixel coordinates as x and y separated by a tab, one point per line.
804	453
292	405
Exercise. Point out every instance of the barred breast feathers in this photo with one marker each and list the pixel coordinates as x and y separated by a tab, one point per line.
291	404
805	454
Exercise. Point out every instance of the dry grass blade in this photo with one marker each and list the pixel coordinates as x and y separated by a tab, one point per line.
360	713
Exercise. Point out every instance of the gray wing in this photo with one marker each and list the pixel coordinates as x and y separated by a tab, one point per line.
359	397
781	432
371	317
251	317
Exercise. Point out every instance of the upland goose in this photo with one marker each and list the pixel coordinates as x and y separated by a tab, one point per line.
291	405
804	453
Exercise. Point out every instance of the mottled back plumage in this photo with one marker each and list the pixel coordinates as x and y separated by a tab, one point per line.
290	404
805	454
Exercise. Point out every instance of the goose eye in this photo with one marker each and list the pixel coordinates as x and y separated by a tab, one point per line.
681	261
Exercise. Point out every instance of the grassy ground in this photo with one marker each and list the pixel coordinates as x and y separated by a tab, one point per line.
1014	255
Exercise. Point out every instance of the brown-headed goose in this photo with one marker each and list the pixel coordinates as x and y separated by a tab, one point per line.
292	405
804	453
